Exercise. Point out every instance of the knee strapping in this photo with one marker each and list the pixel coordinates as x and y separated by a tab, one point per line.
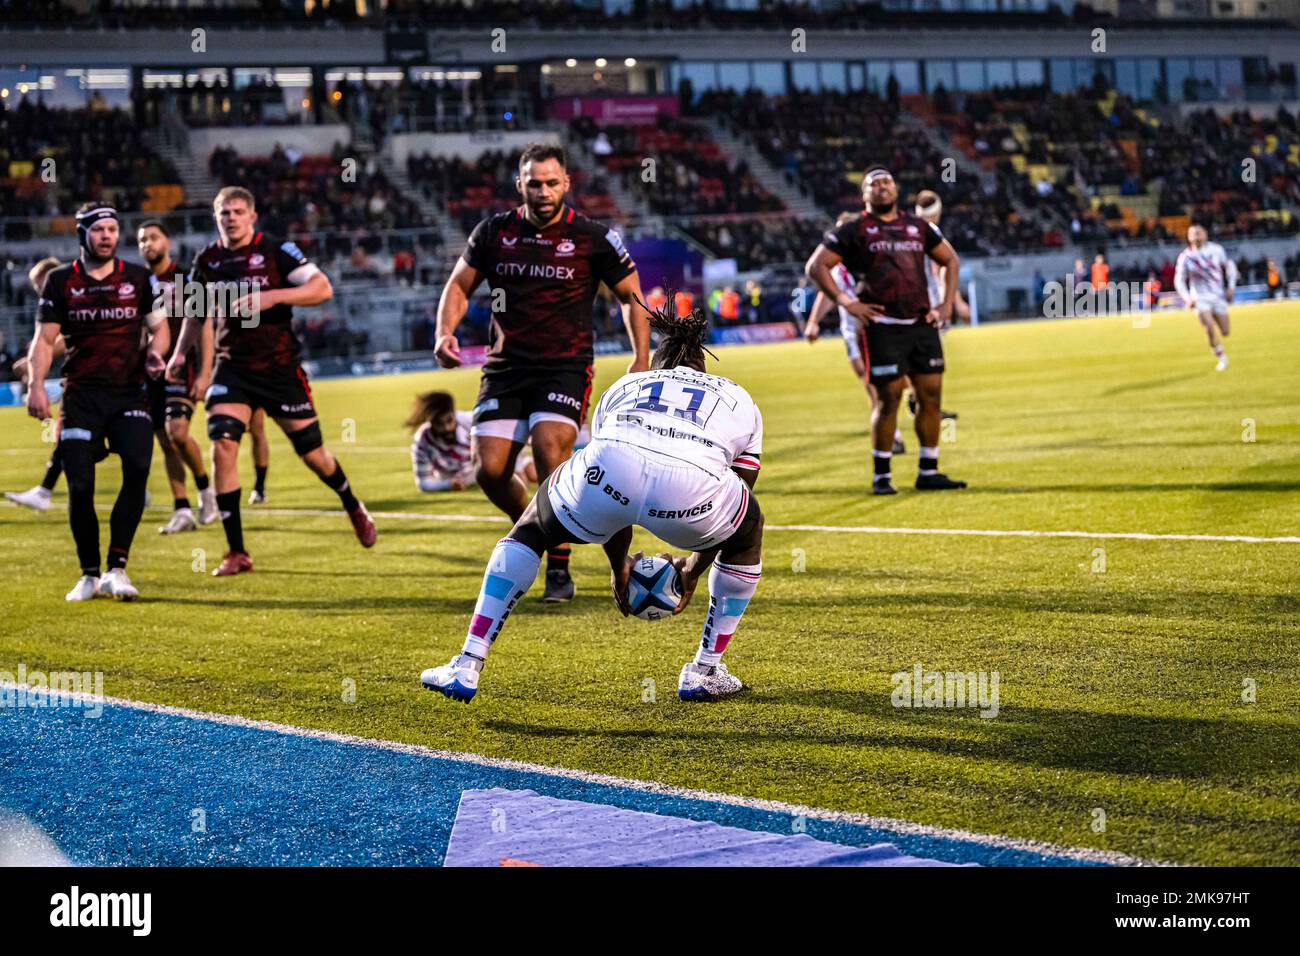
225	426
306	440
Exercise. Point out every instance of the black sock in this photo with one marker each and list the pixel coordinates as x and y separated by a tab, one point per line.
179	503
129	507
260	484
557	558
53	469
228	505
339	482
201	482
883	462
85	527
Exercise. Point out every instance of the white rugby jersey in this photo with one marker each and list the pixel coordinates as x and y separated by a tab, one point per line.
684	417
1207	271
436	456
844	282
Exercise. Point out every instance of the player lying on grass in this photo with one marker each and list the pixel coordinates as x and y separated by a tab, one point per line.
441	449
674	450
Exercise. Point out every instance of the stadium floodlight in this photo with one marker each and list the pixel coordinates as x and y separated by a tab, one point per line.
630	61
601	62
570	62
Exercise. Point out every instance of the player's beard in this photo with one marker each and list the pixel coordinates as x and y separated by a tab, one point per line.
883	207
94	261
543	214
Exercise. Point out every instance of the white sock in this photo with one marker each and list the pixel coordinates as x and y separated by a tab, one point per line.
929	461
887	457
730	588
510	573
1218	350
898	434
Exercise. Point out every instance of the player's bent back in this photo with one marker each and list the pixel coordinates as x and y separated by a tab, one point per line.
664	446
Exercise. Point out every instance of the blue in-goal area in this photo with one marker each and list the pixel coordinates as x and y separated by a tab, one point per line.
133	787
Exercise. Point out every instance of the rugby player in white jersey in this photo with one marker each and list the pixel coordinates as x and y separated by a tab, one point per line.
674	450
1206	278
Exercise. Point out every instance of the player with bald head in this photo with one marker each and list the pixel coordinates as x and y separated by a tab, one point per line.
887	251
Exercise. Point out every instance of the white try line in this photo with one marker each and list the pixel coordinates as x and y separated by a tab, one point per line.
822	528
889	824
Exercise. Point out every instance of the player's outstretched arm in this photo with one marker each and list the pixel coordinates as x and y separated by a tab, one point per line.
454	301
637	321
620	567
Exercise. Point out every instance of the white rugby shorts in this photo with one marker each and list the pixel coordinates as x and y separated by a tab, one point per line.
610	485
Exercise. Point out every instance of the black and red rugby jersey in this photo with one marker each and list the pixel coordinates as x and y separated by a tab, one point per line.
888	259
549	277
272	264
102	321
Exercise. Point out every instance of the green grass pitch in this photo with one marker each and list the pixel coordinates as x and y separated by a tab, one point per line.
1123	663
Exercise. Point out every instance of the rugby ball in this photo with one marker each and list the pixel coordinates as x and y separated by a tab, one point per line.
653	588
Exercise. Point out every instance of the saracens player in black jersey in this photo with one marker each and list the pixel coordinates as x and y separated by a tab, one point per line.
543	262
886	250
101	305
172	404
257	359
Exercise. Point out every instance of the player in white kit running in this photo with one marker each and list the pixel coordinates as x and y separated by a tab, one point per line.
674	450
1206	278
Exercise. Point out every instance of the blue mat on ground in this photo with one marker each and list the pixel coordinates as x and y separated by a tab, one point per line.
134	787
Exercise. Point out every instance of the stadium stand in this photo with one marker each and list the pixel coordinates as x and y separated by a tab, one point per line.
308	196
96	153
471	191
824	143
691	176
1113	170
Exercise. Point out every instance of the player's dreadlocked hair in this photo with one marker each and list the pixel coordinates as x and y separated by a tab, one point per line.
681	340
430	406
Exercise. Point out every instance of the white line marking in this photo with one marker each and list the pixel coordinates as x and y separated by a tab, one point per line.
823	528
1129	535
903	827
